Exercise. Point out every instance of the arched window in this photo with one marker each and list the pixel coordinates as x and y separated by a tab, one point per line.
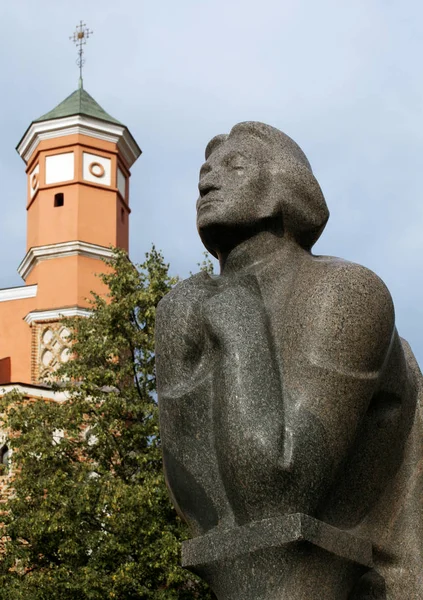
4	456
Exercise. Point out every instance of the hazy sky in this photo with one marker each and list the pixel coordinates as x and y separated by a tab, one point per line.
344	79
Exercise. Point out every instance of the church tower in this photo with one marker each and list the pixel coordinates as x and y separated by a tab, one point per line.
78	160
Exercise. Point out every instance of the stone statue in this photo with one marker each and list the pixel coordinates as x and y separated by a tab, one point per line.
290	409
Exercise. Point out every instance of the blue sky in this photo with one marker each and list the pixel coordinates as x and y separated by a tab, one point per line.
344	79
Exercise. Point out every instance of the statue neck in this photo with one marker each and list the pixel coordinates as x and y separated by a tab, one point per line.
255	250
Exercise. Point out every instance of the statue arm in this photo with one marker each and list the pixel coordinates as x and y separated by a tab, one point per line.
340	357
248	407
280	440
247	380
180	338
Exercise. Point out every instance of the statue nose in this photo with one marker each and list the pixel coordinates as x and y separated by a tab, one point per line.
207	185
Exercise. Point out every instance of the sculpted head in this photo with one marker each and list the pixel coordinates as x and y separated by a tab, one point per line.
256	178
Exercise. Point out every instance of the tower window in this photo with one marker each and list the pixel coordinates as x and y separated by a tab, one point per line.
59	199
4	456
122	215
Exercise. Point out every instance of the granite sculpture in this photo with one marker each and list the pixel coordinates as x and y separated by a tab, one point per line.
290	409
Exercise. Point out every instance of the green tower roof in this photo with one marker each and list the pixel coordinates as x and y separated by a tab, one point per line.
78	103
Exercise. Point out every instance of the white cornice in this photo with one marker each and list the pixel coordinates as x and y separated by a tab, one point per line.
56	314
18	293
102	130
61	250
33	391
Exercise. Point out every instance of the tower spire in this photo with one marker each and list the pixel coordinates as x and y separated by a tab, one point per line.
79	37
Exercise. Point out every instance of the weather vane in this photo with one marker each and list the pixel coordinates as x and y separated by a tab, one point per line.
80	36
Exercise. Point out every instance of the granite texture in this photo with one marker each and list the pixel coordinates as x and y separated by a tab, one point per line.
284	388
291	557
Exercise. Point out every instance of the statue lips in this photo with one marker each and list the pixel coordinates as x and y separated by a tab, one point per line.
207	191
209	198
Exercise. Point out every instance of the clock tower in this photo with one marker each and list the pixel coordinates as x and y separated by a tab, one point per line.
78	160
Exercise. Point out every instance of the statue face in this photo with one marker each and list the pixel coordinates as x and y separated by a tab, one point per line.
234	185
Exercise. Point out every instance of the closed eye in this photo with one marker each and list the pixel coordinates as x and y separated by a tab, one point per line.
235	161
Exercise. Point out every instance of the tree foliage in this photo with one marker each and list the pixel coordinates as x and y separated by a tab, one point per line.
89	517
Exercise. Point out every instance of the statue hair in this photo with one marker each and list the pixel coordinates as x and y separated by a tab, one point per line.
302	207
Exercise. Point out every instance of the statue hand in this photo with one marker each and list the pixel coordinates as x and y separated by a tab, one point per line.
231	314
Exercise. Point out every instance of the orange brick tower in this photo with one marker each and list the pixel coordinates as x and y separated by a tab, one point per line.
77	162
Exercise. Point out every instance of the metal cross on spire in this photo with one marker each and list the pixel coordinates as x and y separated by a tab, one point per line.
80	36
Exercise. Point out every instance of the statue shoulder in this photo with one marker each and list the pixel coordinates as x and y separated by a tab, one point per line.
350	282
184	295
342	274
352	310
179	331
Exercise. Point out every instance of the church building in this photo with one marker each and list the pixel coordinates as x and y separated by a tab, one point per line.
78	160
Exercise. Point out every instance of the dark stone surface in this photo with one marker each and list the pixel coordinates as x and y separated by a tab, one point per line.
293	557
284	388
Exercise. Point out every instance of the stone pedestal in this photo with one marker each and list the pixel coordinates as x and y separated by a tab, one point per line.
294	557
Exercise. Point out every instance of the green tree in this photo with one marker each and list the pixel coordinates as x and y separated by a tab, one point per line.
207	264
90	517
